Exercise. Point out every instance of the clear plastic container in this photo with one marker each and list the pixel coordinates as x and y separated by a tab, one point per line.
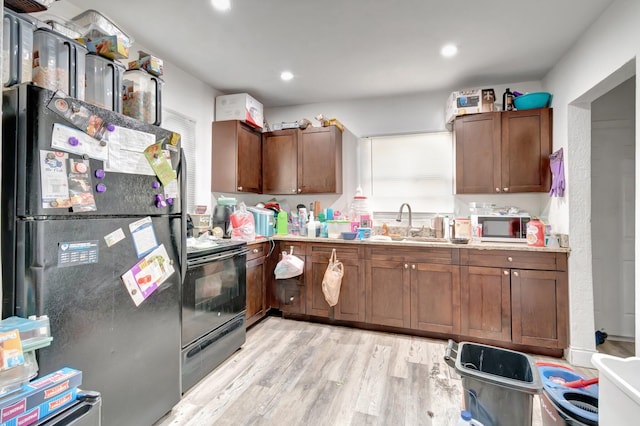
361	210
17	48
35	332
104	82
141	97
92	24
337	227
19	375
58	63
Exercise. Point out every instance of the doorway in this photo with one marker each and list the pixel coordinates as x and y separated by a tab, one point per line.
613	217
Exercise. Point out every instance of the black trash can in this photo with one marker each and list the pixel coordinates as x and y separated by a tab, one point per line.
498	384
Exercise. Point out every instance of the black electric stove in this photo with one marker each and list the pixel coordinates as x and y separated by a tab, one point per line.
213	246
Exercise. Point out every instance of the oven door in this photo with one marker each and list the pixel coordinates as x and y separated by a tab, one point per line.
214	292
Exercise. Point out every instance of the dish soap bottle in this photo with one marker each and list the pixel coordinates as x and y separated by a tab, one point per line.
311	226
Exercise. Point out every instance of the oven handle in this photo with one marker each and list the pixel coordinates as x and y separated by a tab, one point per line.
216	257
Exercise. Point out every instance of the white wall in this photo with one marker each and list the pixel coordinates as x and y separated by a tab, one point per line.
603	58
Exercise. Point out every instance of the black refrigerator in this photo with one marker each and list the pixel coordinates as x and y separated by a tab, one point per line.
105	264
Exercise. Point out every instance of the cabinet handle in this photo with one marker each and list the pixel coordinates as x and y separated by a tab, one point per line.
255	250
413	266
510	259
406	266
505	189
293	191
291	299
516	274
497	189
299	190
505	272
239	188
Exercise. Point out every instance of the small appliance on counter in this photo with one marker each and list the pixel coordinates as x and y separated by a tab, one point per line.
58	63
222	215
510	228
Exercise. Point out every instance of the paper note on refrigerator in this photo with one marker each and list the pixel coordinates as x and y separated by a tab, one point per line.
148	274
126	151
73	140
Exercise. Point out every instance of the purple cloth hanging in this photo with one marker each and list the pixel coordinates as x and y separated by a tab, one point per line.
557	174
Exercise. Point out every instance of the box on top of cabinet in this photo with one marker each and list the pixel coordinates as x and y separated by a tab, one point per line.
241	106
470	101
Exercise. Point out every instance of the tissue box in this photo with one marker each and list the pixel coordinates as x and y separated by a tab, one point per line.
470	101
112	47
240	106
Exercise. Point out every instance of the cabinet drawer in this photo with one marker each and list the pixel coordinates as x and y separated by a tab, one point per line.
343	251
513	259
299	248
255	251
291	295
443	256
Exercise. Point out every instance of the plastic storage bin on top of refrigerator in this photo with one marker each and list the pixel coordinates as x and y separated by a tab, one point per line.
58	63
498	384
104	82
619	401
141	97
17	48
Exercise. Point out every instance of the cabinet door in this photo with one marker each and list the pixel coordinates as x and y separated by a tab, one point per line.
255	290
477	141
320	160
526	145
539	301
350	306
435	298
388	293
280	162
236	157
485	299
249	160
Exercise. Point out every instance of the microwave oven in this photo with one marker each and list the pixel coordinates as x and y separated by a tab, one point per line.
502	228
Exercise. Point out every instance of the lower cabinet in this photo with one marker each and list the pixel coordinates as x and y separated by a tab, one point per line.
519	297
485	303
388	293
435	298
290	293
350	306
403	290
256	283
539	303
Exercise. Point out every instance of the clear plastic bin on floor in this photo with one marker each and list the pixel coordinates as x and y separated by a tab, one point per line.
619	400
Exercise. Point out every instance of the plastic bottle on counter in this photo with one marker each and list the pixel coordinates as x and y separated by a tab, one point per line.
311	226
302	221
360	210
446	225
281	223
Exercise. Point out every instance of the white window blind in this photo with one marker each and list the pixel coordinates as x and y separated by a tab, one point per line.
186	127
416	169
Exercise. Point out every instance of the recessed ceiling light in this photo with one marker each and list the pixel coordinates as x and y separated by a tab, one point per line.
449	50
286	75
221	4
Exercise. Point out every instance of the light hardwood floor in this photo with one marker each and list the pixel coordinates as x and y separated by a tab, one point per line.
299	373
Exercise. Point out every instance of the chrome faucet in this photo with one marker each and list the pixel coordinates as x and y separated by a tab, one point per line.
399	217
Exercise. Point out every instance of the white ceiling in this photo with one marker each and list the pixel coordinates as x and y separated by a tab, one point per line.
350	49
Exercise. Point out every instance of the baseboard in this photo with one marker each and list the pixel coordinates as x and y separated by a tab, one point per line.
580	357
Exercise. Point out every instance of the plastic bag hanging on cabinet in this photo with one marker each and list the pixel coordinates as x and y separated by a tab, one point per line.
557	174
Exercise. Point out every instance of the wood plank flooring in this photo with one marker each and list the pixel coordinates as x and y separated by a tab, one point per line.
299	373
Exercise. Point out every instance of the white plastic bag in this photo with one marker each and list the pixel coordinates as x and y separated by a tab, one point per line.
332	280
289	266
